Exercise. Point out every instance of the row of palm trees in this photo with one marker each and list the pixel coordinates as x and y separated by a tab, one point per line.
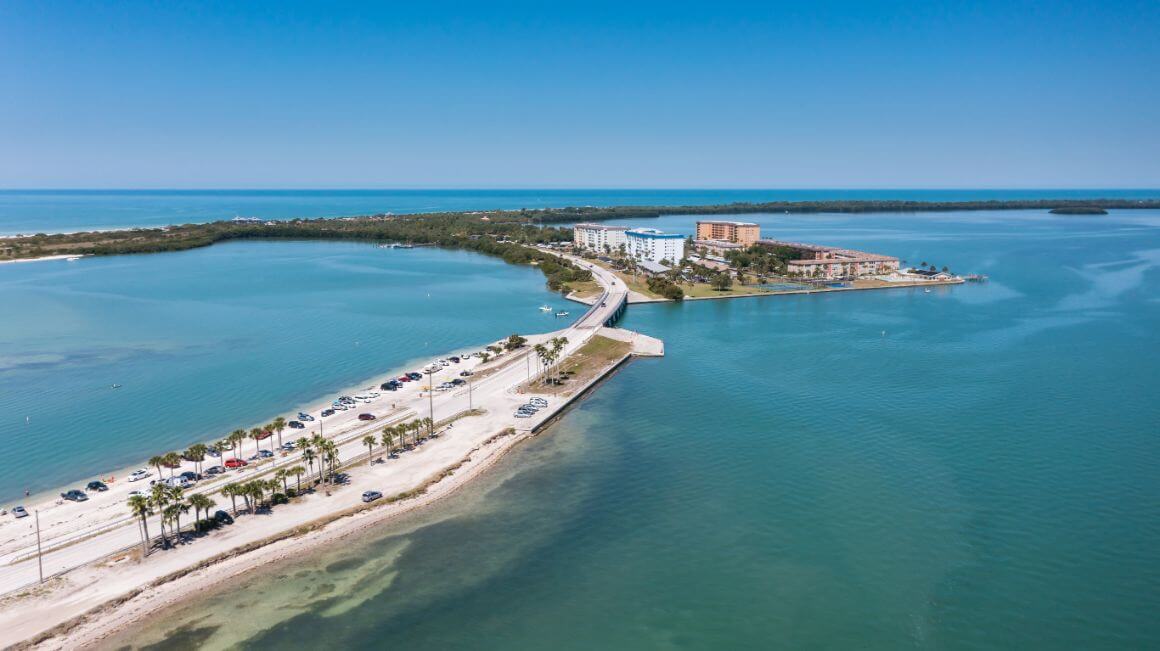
399	432
232	443
549	354
171	503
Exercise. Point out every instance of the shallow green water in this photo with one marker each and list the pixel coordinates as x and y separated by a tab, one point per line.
970	468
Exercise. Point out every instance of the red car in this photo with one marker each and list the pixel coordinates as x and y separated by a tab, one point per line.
234	463
404	378
366	416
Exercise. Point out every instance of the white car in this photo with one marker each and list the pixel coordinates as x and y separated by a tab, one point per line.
139	474
523	414
137	494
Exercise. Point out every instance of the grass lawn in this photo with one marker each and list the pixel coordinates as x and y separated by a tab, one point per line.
586	289
581	366
701	290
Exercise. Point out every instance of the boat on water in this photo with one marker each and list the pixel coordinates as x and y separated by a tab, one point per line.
545	308
561	314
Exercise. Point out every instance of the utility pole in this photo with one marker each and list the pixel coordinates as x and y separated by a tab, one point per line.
469	393
39	559
431	400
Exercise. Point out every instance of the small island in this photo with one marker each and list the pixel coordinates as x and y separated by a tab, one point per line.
1078	210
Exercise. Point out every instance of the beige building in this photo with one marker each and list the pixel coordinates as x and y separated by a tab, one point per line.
599	238
744	233
828	262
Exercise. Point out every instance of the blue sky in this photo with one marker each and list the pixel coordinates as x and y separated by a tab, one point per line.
546	94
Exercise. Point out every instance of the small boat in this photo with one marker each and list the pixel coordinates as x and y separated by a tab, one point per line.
545	308
926	291
115	386
561	314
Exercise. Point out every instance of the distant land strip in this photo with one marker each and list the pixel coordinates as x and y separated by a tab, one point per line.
486	231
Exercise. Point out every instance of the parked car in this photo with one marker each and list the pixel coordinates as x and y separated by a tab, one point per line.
288	446
295	425
459	381
223	517
415	375
98	486
366	416
327	412
75	495
213	452
466	373
139	474
19	512
539	402
371	496
178	482
214	470
265	454
235	463
191	475
138	494
454	359
522	414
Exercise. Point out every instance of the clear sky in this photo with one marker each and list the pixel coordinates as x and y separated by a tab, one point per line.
550	94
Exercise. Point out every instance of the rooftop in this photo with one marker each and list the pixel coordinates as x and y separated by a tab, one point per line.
601	227
727	223
652	232
652	267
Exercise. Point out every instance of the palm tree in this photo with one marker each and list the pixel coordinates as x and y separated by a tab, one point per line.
172	460
236	437
308	456
429	424
331	455
156	461
139	506
220	447
278	425
231	490
297	471
388	439
196	454
369	440
256	434
159	499
542	353
281	475
257	489
200	503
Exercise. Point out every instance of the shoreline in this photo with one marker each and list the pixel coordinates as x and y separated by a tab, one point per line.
44	258
108	574
118	614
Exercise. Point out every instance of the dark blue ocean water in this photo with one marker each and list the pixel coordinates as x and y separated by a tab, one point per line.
970	468
54	211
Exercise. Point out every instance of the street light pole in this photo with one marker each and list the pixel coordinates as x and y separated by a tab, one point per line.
431	400
39	560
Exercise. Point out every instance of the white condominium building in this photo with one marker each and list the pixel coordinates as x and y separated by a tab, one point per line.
598	237
655	246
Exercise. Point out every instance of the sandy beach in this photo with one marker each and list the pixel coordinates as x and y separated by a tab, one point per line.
97	583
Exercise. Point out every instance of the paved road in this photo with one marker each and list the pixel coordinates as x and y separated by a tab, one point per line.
496	392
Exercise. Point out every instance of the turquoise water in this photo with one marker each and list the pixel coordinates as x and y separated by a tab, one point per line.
206	341
970	468
51	211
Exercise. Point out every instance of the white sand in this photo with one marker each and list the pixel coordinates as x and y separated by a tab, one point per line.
99	567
